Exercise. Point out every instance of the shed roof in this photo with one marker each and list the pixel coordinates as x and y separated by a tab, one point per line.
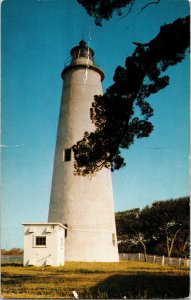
45	224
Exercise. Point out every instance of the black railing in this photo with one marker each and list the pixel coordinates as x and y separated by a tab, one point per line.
68	62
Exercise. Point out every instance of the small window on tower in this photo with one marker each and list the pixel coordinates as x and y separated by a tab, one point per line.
113	238
67	154
66	230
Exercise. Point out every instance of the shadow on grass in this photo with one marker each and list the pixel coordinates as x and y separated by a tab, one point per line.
143	286
13	280
15	285
12	264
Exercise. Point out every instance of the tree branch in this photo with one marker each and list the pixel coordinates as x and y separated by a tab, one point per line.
129	10
150	3
173	240
114	114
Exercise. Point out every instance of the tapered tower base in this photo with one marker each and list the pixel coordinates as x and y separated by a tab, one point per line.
83	204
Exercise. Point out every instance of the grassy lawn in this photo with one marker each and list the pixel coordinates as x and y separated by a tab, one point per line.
95	280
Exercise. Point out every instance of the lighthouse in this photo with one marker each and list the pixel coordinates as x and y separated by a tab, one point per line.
84	205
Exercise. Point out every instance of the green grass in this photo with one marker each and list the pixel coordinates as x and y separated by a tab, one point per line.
96	280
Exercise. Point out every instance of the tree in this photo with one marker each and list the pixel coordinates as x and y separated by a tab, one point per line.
113	114
99	9
182	244
131	230
168	222
162	228
13	251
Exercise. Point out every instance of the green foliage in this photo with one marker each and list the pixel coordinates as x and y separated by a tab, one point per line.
163	228
103	10
168	222
99	9
131	231
113	114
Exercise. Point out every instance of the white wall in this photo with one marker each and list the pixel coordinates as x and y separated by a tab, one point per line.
85	204
42	255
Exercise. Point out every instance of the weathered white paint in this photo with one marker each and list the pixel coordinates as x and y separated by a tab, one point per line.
51	254
85	204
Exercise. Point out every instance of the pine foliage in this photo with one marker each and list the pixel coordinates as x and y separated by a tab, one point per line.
117	123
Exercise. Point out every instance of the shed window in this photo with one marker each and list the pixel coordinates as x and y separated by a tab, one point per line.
40	241
67	154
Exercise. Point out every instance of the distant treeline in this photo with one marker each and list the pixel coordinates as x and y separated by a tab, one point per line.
162	228
13	251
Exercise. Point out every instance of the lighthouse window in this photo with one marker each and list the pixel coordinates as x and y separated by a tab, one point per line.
66	230
40	241
67	155
113	238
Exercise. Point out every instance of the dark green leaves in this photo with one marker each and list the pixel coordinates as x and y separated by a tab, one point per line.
113	114
163	227
100	9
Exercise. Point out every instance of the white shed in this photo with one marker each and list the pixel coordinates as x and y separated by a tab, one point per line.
44	244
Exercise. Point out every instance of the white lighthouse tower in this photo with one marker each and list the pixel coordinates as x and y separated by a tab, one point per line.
83	204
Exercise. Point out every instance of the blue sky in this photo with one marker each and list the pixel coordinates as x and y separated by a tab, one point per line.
37	36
